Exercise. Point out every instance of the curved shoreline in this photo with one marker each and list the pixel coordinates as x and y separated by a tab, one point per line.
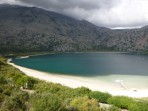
74	82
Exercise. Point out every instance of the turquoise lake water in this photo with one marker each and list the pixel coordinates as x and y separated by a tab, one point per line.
88	64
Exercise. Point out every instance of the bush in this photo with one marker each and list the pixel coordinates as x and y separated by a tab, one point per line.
2	80
138	106
15	102
31	82
100	96
1	89
2	97
7	92
128	103
84	104
134	107
45	102
120	101
82	91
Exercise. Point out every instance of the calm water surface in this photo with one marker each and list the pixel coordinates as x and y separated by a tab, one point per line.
88	64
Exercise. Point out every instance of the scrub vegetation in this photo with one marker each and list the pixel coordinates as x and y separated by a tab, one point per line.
19	92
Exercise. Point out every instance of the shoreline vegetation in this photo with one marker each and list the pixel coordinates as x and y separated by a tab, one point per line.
116	88
34	94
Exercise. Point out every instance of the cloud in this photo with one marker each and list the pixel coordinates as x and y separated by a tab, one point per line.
12	2
67	4
7	1
108	13
127	13
79	9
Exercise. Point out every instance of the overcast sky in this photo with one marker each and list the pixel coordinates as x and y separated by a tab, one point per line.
107	13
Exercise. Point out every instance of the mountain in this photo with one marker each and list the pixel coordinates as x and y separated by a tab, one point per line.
31	29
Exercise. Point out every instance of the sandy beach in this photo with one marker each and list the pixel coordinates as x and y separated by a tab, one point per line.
115	88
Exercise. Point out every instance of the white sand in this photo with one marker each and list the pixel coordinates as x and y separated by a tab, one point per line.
113	88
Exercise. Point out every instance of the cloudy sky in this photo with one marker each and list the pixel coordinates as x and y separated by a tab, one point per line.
107	13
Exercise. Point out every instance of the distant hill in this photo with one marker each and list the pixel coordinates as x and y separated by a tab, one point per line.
31	29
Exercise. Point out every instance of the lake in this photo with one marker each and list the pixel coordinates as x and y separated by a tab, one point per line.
88	64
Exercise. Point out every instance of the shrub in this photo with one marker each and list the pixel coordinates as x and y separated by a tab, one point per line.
85	104
15	102
7	92
2	97
134	107
120	101
2	80
45	102
31	82
82	91
138	106
100	96
1	89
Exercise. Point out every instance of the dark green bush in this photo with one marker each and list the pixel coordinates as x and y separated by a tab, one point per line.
16	102
128	103
30	82
85	104
134	107
138	106
82	91
2	97
7	92
46	102
2	79
100	96
120	101
1	89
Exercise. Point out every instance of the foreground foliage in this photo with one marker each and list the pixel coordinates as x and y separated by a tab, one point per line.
55	97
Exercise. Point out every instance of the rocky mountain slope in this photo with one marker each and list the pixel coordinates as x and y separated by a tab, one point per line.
29	29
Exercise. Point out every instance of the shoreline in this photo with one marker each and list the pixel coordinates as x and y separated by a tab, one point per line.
108	52
38	54
114	88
